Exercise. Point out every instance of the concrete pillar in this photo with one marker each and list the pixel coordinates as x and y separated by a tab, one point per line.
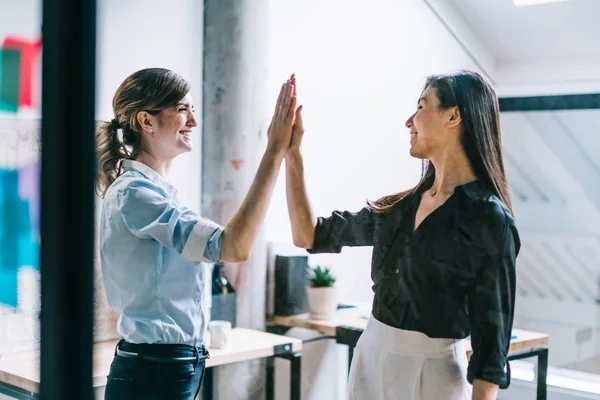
235	118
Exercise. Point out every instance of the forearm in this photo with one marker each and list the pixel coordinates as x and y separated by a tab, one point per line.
243	228
301	216
483	390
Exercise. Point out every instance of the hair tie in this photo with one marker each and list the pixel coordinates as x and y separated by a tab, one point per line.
115	124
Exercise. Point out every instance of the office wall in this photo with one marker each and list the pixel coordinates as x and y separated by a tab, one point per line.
138	34
360	69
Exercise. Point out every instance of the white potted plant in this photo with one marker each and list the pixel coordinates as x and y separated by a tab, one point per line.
321	293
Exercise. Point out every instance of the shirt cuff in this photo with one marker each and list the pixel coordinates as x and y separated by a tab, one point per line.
493	372
321	243
195	247
213	246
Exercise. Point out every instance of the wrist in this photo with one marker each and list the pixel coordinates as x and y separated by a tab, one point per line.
275	153
293	155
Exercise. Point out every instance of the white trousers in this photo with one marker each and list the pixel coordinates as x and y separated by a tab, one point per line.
391	363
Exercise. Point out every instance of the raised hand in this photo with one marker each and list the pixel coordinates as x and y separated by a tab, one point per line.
280	130
298	128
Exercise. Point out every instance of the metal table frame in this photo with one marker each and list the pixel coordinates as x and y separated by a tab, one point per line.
284	351
349	336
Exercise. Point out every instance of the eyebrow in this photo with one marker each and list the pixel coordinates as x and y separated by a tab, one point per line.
184	104
422	99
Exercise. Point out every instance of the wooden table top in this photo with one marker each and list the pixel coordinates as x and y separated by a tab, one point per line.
357	318
23	371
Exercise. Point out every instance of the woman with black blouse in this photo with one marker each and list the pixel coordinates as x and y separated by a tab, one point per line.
444	253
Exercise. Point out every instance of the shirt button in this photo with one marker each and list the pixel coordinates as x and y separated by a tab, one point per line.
397	270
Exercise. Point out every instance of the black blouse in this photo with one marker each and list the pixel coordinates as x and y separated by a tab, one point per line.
452	277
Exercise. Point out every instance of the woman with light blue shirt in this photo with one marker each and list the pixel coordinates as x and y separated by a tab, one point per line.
152	247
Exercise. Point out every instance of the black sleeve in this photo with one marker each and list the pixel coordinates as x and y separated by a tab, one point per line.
343	228
491	303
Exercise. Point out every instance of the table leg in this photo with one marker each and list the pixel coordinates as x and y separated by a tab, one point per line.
349	336
295	376
350	355
208	384
542	374
295	360
542	369
270	387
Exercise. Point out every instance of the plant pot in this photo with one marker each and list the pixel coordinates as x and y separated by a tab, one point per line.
322	302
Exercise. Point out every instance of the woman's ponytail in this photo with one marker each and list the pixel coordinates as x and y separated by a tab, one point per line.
109	152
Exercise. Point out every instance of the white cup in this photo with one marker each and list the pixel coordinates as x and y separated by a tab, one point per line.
219	333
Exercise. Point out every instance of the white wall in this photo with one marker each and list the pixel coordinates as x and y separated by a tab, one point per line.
136	34
360	69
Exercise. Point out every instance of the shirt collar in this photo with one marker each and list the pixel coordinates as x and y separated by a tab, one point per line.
474	190
151	174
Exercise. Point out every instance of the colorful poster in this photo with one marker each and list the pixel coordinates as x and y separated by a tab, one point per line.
19	73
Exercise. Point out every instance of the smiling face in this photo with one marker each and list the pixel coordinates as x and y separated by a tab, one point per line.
168	133
432	128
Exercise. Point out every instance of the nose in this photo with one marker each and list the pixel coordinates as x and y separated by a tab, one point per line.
192	121
409	121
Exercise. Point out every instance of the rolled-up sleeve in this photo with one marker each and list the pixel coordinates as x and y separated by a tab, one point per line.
150	214
213	246
343	228
492	302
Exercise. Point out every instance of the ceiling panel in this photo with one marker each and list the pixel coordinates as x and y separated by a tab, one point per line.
553	31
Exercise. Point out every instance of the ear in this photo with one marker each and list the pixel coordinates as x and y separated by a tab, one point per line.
145	121
454	118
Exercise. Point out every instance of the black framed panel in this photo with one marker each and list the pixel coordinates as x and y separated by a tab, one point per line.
550	103
67	201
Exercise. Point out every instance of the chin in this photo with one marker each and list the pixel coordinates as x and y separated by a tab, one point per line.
181	150
185	148
416	154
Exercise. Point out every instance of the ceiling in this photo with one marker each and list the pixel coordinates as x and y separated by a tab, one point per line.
550	48
548	32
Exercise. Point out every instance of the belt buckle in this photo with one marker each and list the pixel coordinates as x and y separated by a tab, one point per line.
205	354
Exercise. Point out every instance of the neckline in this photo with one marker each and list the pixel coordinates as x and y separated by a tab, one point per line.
415	210
149	173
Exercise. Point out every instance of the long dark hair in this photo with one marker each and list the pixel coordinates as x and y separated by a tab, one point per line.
478	106
151	90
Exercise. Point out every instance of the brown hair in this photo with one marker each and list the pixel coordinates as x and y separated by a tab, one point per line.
478	106
151	90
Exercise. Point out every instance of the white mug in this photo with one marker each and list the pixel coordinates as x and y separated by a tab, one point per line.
219	333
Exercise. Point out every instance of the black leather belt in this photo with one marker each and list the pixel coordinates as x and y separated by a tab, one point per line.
201	355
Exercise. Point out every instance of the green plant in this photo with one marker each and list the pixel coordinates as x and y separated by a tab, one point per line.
321	277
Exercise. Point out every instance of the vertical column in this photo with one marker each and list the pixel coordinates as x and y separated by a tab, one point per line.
234	124
67	207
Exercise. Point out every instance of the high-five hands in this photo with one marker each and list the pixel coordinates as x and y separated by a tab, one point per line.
280	130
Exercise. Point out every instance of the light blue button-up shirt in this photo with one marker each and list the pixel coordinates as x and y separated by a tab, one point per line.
151	253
